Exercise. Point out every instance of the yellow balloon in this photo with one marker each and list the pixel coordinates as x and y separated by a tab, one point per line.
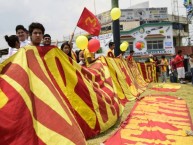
126	43
82	42
123	47
115	13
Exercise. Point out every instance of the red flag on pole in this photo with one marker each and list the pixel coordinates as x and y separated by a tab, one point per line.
89	22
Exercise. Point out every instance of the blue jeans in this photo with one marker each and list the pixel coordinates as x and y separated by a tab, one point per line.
163	76
192	74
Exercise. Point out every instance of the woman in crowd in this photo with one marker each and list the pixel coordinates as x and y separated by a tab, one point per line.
66	48
14	44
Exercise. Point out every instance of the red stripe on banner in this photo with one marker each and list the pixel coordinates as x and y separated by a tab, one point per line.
152	135
83	91
70	59
61	71
164	125
165	89
44	49
174	110
173	115
128	79
15	119
165	100
86	73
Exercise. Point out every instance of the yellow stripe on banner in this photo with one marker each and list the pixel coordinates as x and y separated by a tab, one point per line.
50	137
43	93
3	99
47	136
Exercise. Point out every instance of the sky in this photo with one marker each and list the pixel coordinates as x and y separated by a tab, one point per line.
59	17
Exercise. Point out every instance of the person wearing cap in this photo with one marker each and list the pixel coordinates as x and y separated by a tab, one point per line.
130	56
46	40
22	35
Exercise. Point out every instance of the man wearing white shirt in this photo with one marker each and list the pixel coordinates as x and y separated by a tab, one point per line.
22	35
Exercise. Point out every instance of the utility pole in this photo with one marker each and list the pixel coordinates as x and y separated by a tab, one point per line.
116	30
175	15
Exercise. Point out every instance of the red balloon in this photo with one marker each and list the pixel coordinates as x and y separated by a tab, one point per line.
93	45
138	45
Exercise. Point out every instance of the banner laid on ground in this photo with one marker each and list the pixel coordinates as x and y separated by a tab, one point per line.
166	87
46	97
155	120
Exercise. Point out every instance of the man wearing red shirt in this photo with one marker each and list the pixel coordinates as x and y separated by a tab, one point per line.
130	57
179	60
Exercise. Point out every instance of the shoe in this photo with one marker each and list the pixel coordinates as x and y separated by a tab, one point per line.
189	132
182	82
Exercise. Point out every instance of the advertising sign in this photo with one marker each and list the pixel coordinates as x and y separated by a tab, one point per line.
141	14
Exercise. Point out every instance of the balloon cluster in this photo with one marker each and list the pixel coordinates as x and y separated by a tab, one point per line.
82	43
115	13
124	45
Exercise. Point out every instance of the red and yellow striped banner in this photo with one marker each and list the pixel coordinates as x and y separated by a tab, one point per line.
166	87
155	120
46	97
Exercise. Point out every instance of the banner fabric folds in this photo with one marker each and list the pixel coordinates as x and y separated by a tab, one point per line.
46	97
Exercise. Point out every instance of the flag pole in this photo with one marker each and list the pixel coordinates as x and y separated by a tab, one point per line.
94	7
75	29
72	35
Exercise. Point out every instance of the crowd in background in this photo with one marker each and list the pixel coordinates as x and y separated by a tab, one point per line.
35	36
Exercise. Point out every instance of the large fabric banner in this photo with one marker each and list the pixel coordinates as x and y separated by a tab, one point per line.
155	120
46	97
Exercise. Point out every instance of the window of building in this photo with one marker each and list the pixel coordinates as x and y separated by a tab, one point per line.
155	44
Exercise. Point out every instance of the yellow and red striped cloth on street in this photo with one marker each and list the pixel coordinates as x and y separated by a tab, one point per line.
155	120
165	87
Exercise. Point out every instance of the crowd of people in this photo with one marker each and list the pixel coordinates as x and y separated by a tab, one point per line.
35	36
174	67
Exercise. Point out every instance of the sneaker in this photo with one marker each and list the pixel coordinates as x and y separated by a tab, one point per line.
189	132
184	82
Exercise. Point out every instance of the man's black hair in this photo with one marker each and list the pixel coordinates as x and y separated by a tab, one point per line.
46	35
18	27
36	25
